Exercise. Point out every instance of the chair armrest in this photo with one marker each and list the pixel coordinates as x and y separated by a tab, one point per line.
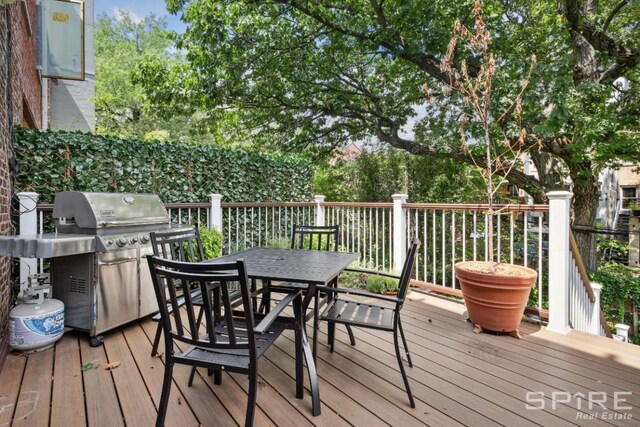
374	272
357	292
268	320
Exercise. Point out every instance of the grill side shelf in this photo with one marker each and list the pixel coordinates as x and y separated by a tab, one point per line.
46	245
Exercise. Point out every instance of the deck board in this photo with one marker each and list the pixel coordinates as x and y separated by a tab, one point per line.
100	392
135	401
33	408
67	397
458	378
10	384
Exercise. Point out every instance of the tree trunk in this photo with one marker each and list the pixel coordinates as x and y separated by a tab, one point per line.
585	206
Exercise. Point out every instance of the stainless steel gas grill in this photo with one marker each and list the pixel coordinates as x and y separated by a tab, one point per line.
97	266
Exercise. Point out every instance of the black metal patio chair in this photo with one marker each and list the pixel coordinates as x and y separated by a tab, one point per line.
233	343
363	314
309	237
181	245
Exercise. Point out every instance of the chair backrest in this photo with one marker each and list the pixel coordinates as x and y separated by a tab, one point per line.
322	238
212	278
178	245
407	268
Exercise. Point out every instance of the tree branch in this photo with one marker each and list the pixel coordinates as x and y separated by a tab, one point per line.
626	58
613	14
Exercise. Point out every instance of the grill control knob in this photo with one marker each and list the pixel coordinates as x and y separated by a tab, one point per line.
121	242
109	242
145	238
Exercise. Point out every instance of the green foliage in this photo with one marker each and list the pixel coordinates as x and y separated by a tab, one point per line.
354	280
620	284
381	284
377	174
609	248
58	161
122	108
211	242
280	243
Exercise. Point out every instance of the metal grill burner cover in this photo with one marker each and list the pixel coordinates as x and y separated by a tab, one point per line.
118	220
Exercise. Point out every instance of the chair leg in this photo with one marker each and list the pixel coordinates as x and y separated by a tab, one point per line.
251	402
316	310
401	365
156	340
313	375
404	342
200	315
192	376
265	304
164	397
331	326
352	338
298	356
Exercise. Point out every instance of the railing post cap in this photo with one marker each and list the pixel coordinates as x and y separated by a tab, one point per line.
28	194
319	198
596	286
399	196
561	194
621	327
215	196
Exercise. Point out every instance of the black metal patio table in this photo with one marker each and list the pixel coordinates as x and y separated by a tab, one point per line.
310	267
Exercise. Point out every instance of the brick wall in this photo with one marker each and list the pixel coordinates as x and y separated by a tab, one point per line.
20	104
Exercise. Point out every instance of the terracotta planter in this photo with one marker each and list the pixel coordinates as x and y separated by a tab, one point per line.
495	301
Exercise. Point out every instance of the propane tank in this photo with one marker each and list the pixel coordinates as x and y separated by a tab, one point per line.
37	322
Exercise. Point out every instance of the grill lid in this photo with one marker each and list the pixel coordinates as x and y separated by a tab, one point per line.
76	210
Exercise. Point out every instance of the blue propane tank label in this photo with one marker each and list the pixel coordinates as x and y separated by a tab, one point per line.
31	330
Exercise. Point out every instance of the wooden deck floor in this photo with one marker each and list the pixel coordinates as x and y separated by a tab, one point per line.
458	378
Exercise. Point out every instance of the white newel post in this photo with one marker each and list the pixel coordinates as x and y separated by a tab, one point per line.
319	199
559	257
399	231
28	225
595	309
216	212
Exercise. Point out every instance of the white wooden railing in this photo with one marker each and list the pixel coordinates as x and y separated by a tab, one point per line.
584	297
379	232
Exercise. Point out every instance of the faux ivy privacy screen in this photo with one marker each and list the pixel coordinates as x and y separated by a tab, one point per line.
49	162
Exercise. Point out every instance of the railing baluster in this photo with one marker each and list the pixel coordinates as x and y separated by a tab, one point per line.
424	245
475	235
486	236
377	240
464	235
384	235
540	256
453	249
444	249
526	241
499	257
511	223
433	244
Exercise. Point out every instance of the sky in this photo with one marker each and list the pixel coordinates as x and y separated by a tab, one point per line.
139	8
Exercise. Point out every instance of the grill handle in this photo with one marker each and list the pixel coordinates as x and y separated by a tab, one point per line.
125	223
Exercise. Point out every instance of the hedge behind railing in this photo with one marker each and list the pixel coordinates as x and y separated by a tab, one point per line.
49	162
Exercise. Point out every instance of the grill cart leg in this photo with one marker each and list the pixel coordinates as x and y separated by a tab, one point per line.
96	341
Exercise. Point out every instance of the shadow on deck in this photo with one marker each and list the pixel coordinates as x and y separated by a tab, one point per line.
457	378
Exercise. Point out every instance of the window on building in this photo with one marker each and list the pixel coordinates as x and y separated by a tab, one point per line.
629	195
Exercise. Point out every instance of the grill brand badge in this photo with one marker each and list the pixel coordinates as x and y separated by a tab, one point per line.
110	213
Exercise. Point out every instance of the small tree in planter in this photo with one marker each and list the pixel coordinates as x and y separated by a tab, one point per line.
495	293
